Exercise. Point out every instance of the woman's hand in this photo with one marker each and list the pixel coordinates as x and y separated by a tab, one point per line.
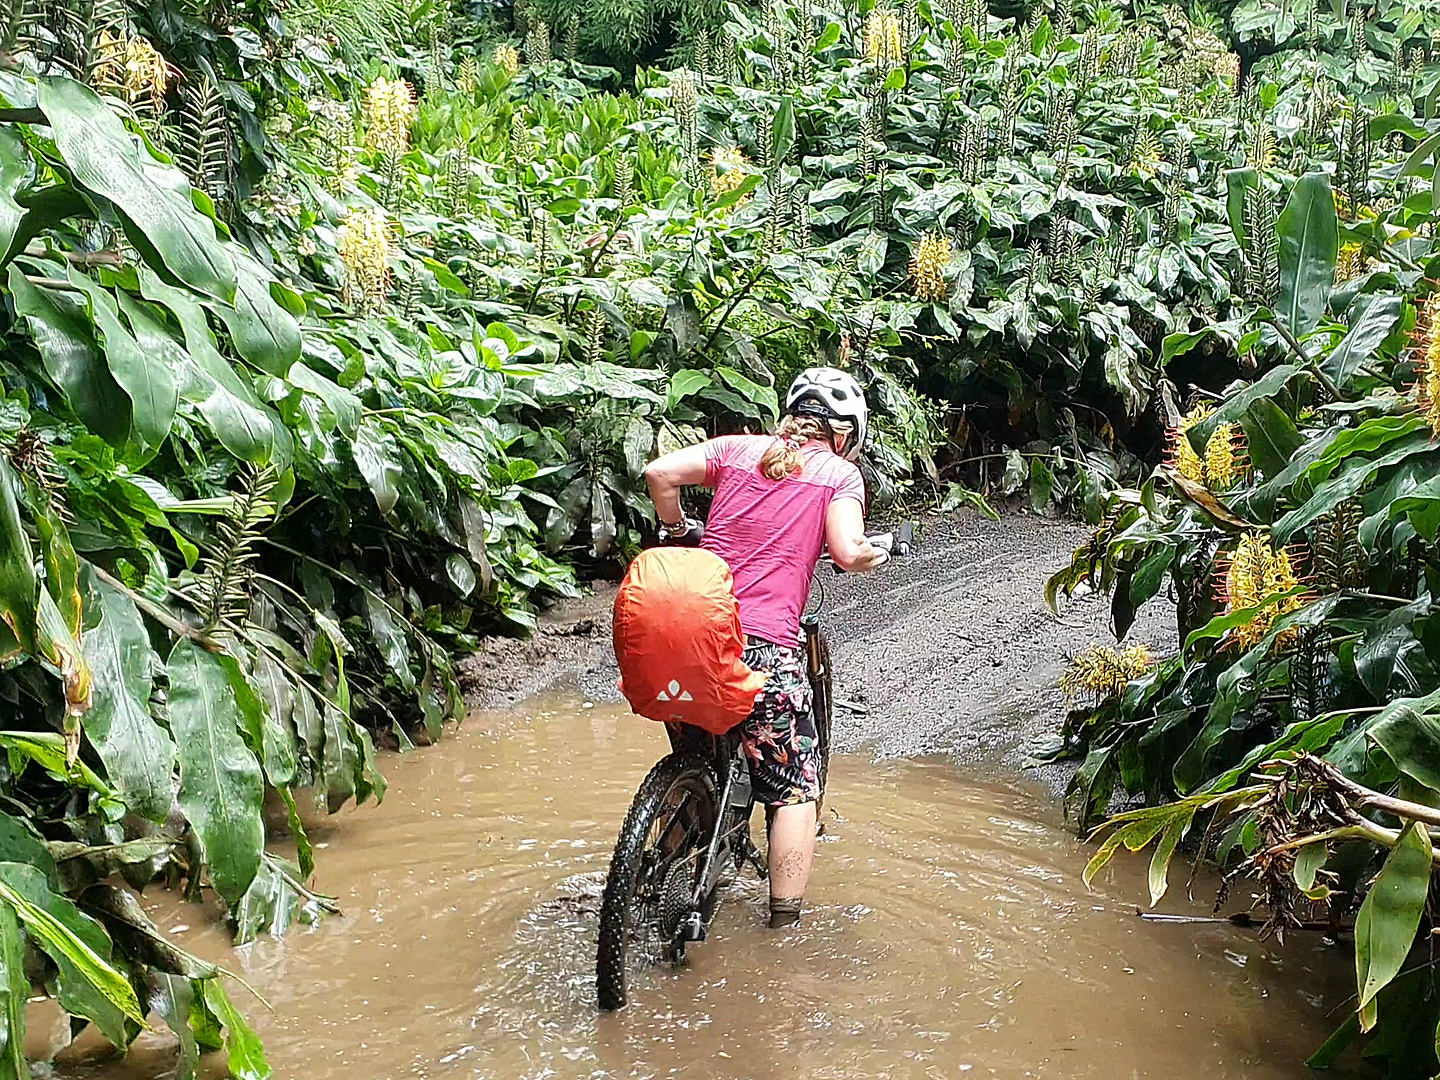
845	537
666	475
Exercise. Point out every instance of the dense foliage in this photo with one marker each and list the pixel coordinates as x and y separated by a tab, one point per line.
334	334
1293	736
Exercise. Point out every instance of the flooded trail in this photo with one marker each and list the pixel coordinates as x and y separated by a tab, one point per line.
948	934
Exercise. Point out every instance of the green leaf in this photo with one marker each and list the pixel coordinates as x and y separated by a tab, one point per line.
227	401
17	565
602	521
1042	483
376	455
782	134
343	405
245	1055
16	166
1308	861
221	788
1351	477
565	516
276	692
828	37
460	573
173	998
734	195
1270	436
1175	831
138	753
150	384
895	80
1385	927
565	206
265	334
104	159
1365	335
65	338
754	392
1237	183
14	992
683	383
1234	407
639	441
389	632
89	985
1309	243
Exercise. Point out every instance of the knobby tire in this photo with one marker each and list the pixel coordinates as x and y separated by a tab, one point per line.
627	864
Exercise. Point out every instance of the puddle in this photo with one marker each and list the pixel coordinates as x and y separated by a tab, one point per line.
947	934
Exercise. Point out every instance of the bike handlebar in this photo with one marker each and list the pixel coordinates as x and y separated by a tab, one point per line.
899	543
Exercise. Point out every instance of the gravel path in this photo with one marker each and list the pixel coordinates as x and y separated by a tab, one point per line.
950	651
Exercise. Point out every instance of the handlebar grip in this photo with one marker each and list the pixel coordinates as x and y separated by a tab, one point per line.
904	539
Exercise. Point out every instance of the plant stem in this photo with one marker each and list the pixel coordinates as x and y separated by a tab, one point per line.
1304	358
158	612
740	295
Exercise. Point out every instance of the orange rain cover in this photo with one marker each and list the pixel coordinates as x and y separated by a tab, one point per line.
678	640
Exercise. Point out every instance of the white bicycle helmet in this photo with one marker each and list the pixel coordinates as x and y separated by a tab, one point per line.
831	394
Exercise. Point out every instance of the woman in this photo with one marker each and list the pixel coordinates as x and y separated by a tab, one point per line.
779	499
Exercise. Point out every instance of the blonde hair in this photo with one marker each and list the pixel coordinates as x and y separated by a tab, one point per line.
784	458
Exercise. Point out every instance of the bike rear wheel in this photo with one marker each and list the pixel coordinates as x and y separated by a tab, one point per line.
653	872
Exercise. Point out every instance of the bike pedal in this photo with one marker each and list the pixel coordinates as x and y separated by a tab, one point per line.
693	928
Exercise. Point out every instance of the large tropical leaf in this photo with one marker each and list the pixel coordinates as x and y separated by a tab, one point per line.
1385	927
105	159
64	335
16	166
89	985
138	753
146	379
1309	243
221	787
14	992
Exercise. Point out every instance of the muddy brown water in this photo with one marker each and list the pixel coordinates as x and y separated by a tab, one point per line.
948	935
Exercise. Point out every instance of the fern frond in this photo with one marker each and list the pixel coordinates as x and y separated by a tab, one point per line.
204	144
222	591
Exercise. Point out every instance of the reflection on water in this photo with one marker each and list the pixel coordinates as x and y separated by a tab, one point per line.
947	934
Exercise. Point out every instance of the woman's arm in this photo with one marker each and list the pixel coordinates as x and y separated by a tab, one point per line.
666	475
845	536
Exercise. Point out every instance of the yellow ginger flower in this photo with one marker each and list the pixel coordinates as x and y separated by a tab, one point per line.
507	59
927	268
882	36
109	70
1100	672
389	110
1222	461
727	170
364	245
1182	455
1350	263
1256	571
1425	353
147	74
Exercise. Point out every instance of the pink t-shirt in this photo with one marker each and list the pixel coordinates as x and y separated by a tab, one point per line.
770	532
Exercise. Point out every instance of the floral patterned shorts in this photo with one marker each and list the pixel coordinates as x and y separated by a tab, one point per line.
779	736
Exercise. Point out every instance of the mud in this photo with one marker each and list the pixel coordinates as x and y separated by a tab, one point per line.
947	934
949	651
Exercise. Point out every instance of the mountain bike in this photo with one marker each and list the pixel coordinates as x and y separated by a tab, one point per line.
689	821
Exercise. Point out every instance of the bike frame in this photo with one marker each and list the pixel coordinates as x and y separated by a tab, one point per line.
729	760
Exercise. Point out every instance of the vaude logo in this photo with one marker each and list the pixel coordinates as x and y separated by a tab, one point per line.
675	693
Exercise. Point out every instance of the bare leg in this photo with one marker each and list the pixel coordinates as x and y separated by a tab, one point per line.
792	851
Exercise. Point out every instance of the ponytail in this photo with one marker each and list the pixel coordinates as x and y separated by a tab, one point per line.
784	459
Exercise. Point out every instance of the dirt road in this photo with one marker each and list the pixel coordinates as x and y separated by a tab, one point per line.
950	651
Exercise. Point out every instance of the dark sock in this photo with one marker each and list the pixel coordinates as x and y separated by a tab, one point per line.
784	912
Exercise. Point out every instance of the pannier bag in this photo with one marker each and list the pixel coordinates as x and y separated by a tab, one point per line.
678	640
